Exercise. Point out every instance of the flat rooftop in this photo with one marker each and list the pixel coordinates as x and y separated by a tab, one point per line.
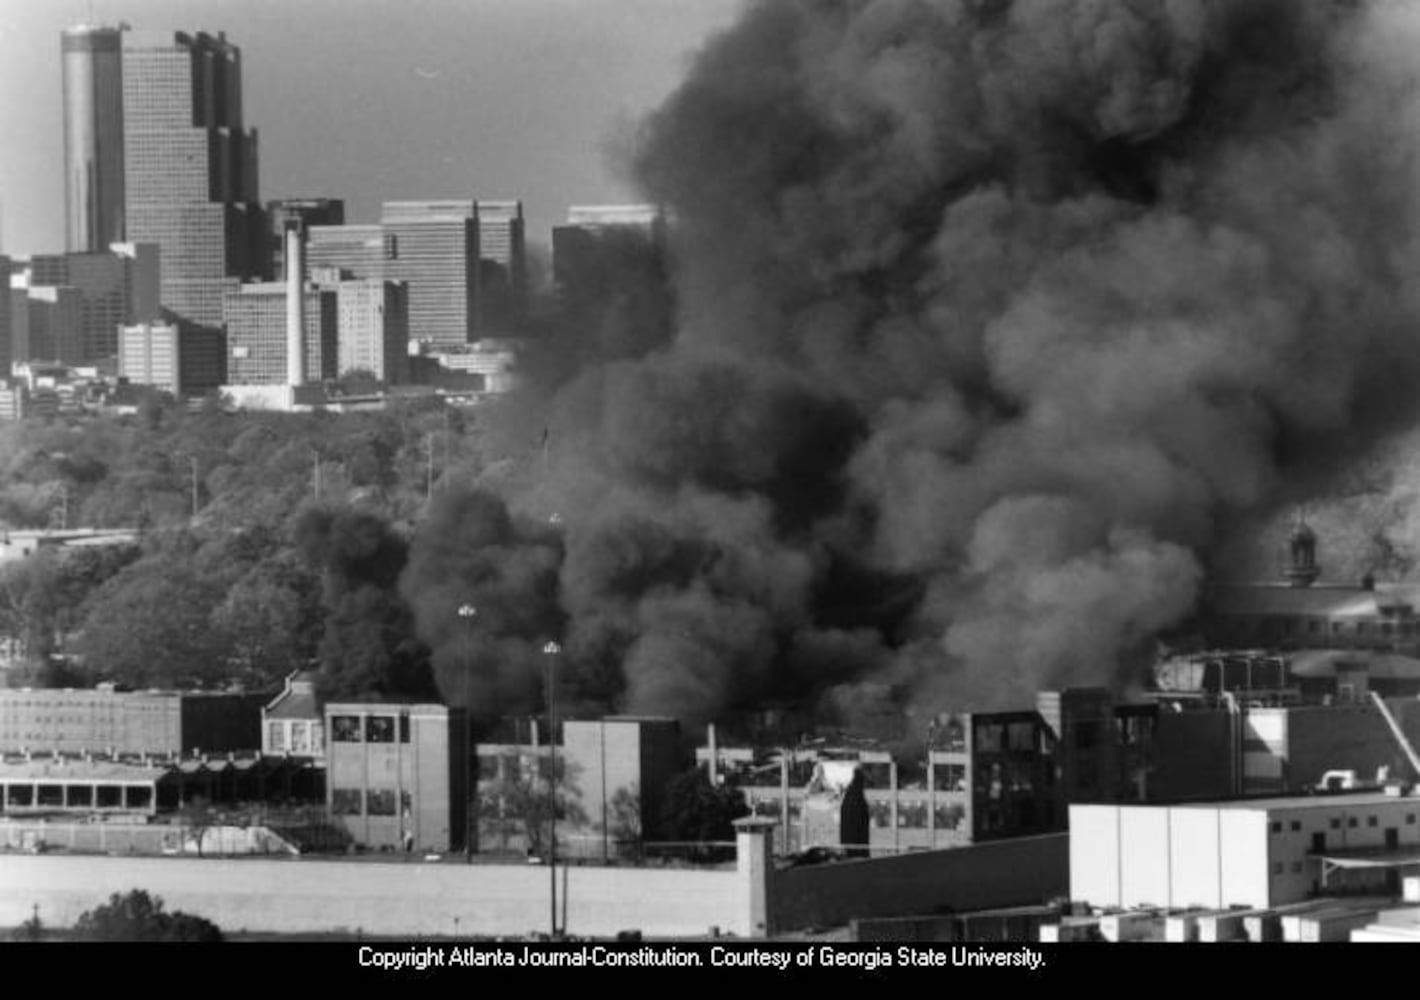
1333	800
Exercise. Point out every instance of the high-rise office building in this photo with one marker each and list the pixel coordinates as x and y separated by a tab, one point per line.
374	328
256	320
7	351
186	361
432	246
93	137
354	251
502	266
56	329
19	288
190	178
305	212
610	266
116	286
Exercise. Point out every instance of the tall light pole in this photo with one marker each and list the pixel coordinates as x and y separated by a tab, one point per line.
467	613
193	460
551	650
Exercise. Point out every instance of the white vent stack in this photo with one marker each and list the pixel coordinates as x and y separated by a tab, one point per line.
295	306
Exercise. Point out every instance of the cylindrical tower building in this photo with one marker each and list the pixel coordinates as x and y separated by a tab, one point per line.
92	59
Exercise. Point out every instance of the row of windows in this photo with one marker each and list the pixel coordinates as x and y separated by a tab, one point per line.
1352	822
372	802
1319	626
369	728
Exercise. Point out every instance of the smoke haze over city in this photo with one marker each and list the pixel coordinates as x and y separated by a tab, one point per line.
992	319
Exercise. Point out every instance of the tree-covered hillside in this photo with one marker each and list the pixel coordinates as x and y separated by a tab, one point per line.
269	541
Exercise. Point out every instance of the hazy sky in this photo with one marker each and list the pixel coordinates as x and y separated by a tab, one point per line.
369	100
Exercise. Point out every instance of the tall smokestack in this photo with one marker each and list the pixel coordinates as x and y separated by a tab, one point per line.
295	306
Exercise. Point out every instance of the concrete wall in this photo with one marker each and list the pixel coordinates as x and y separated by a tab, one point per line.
1144	876
377	899
983	876
1094	854
1195	858
1130	856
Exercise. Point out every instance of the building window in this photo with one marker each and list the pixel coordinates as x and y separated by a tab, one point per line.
1409	819
1335	823
345	801
988	738
380	802
345	728
300	742
276	736
949	817
1370	821
404	729
949	777
912	815
379	729
881	812
1276	868
1351	822
1277	826
1020	736
1296	825
1296	867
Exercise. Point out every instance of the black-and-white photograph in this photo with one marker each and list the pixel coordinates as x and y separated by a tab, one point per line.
851	485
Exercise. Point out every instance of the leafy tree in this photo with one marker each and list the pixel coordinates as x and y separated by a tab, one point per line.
623	819
149	626
368	649
137	916
695	810
268	622
197	817
519	805
31	930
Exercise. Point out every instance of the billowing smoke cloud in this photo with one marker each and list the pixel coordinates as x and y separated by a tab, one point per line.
483	588
993	317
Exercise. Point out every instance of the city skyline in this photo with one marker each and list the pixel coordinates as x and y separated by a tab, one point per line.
390	116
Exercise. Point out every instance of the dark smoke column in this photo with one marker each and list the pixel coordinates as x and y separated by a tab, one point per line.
993	316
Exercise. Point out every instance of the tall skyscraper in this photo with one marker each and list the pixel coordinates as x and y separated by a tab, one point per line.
190	175
306	212
502	268
433	247
93	137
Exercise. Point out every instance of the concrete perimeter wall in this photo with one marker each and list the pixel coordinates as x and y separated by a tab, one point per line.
1003	873
379	899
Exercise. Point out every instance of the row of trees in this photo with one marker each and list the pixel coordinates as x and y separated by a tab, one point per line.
132	916
293	555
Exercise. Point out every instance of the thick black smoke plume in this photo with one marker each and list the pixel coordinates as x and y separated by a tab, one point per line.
993	316
484	593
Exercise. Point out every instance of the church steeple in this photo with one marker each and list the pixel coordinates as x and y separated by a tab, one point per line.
1303	571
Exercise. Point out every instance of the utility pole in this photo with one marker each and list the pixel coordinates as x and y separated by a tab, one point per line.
552	649
467	613
193	459
429	467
